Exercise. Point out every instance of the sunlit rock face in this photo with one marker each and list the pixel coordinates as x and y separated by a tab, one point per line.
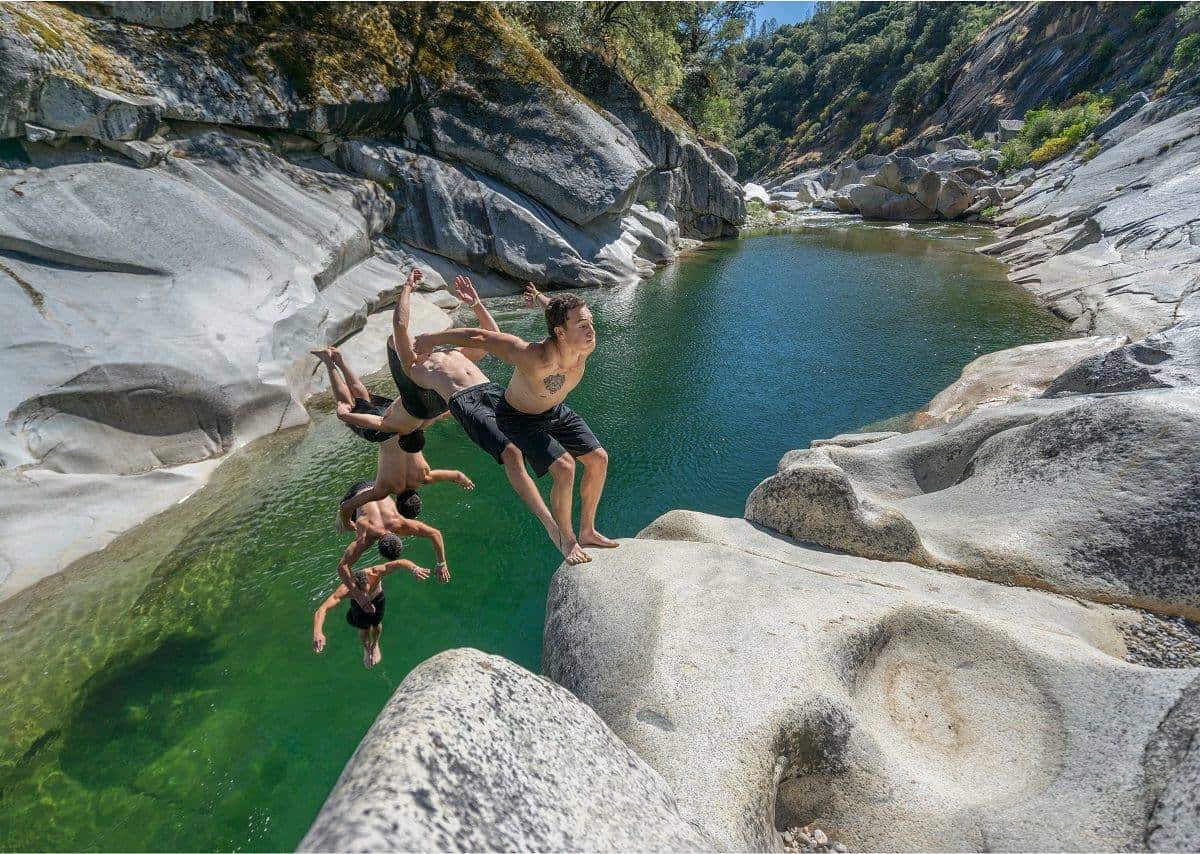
1092	496
896	707
474	753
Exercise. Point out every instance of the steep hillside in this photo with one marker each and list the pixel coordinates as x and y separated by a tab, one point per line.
869	78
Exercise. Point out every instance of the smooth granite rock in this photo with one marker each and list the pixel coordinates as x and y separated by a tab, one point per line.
1168	359
1007	376
474	753
1108	241
896	708
173	328
1094	497
468	217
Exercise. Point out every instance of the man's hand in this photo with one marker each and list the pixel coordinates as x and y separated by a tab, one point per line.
343	409
318	642
414	277
443	572
464	481
422	345
531	295
420	572
465	290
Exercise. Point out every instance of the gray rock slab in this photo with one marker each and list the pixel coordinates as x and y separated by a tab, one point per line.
1007	376
1115	232
1096	497
897	708
466	216
1167	359
474	753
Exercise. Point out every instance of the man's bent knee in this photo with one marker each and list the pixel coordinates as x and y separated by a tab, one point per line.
598	457
564	466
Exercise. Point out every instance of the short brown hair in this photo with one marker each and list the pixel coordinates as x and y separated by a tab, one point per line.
559	308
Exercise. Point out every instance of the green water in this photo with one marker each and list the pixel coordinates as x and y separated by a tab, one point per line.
163	694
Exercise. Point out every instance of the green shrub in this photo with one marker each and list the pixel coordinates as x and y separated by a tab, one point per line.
1104	53
1051	149
1013	155
1051	132
1187	52
1091	151
990	212
892	140
1151	13
1188	12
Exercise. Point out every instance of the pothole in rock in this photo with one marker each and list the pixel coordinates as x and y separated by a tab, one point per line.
810	838
1166	642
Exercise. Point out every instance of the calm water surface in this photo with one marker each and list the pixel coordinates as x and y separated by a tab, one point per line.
163	694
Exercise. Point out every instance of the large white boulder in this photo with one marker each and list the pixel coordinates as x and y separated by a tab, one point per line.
474	753
897	708
1090	496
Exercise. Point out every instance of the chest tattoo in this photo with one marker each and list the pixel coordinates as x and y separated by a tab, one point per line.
554	382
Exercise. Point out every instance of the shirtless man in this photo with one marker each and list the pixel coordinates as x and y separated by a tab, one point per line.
370	626
398	471
408	415
373	523
532	413
472	399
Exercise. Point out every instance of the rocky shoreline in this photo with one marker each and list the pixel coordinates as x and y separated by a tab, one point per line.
911	642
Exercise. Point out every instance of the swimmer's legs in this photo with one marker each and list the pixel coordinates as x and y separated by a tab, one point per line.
595	469
357	388
341	391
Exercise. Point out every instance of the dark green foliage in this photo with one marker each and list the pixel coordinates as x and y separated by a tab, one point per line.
1187	52
807	82
678	53
1051	132
1151	13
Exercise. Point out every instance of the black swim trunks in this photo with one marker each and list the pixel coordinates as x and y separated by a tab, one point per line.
419	402
475	409
360	619
545	437
377	405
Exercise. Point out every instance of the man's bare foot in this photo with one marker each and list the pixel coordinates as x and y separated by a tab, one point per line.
323	353
376	654
368	658
596	540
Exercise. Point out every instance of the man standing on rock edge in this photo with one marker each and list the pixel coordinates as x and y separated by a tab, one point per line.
532	413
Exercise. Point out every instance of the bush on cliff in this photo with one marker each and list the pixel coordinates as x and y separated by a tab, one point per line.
1051	132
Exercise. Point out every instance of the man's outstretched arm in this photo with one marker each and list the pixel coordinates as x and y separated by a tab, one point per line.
319	616
464	289
508	348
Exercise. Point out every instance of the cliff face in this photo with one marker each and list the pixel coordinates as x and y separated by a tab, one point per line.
878	78
197	194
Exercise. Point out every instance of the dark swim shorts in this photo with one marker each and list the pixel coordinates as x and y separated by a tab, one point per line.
475	409
376	406
360	619
545	437
419	402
